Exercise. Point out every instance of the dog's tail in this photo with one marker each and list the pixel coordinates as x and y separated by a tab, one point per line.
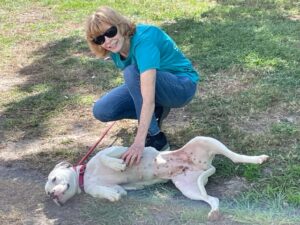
214	147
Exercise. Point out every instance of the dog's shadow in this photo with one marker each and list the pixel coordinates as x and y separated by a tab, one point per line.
161	203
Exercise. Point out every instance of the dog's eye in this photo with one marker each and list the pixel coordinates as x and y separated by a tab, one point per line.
53	179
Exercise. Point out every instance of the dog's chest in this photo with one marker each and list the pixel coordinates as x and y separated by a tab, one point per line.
100	174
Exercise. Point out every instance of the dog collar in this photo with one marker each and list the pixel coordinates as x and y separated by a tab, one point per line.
80	178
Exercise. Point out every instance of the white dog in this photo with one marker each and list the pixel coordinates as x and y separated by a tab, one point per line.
106	175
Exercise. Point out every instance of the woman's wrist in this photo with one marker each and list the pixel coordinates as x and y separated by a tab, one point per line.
139	140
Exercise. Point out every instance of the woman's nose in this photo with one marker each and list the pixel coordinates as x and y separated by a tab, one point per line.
107	40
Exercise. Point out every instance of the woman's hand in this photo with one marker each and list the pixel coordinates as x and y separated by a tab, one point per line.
133	154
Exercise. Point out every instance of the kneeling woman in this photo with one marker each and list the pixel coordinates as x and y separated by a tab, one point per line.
157	76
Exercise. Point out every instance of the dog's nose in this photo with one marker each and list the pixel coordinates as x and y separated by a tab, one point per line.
52	195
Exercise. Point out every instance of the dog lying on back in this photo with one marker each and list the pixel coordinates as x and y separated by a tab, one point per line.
106	175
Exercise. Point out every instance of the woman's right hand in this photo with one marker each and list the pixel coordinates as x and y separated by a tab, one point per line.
133	154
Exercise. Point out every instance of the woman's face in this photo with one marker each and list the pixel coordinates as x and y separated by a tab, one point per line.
113	44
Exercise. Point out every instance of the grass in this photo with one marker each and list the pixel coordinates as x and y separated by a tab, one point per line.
246	51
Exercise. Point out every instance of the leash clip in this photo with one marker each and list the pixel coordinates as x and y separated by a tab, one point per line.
82	169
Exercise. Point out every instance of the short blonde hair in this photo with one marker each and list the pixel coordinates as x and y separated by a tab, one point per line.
94	27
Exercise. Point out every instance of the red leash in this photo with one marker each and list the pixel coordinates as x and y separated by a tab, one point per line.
83	166
95	145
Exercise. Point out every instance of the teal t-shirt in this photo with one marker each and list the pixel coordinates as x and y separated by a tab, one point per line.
152	48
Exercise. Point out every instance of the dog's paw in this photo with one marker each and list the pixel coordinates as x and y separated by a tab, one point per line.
118	165
120	190
262	158
113	163
113	196
214	215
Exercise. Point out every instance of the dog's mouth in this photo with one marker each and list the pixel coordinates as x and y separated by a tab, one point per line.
56	197
57	202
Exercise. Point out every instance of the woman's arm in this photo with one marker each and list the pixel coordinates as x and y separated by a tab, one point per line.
135	151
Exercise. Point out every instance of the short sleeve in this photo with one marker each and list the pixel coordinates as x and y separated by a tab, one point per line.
147	56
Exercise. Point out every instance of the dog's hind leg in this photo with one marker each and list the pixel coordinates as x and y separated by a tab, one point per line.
212	201
191	184
203	178
214	146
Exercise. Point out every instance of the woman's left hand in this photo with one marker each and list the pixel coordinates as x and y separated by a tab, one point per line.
133	154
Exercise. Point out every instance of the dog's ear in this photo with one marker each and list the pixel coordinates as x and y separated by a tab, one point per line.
63	164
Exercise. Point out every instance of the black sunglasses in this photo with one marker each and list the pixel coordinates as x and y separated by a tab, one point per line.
111	32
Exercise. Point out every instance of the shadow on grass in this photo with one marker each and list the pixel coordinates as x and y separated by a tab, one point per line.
234	36
61	73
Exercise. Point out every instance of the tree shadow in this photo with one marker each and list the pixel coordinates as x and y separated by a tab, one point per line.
224	37
59	73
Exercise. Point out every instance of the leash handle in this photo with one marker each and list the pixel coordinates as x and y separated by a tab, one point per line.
95	145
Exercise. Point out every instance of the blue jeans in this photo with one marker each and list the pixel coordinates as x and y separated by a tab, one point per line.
125	101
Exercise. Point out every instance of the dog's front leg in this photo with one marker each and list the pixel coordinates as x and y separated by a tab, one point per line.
111	158
113	193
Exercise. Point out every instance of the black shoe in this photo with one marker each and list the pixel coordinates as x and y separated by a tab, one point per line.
161	113
158	141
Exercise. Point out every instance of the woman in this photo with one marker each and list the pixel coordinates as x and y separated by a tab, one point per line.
157	77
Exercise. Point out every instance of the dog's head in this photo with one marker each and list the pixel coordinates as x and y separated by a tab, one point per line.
62	183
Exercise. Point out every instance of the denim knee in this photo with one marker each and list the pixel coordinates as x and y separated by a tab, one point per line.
100	112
